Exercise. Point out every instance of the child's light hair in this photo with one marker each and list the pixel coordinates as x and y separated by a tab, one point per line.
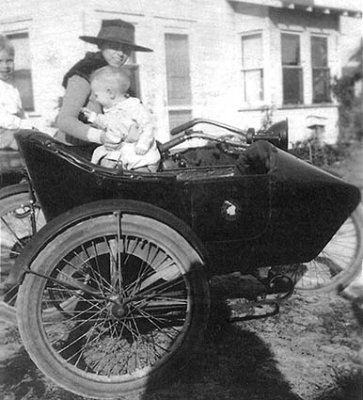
5	44
116	79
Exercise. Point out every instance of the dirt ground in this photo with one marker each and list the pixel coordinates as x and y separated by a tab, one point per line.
309	351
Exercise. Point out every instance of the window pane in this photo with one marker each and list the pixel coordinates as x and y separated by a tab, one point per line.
177	69
252	51
23	82
22	75
134	80
20	42
321	86
253	82
179	117
319	52
292	85
290	47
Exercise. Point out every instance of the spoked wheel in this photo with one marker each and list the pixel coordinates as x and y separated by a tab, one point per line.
20	219
339	262
130	296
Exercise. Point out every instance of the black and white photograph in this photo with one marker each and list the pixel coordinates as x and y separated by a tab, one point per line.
181	210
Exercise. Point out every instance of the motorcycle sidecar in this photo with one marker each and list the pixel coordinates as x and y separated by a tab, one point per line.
115	291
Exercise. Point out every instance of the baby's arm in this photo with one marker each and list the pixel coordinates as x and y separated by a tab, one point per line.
115	131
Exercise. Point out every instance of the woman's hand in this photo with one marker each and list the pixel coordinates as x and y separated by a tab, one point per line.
90	115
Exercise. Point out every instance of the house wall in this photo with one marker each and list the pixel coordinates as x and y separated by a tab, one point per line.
214	28
351	37
305	25
53	30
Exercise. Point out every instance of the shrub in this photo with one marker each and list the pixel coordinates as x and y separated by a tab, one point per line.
320	154
350	102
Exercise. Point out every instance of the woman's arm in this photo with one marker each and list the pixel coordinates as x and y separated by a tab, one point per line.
76	96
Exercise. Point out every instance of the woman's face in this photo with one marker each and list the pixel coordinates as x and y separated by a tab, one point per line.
115	54
6	65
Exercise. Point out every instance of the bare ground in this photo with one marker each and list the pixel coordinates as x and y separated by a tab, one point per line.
309	351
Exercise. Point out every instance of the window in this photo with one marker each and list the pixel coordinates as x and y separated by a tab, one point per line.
320	69
178	79
133	67
22	75
292	80
252	71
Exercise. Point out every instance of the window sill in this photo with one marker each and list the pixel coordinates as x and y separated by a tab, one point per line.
317	105
180	108
288	107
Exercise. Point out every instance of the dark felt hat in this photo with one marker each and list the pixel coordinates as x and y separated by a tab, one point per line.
116	31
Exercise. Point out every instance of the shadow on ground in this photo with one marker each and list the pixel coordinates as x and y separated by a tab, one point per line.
231	363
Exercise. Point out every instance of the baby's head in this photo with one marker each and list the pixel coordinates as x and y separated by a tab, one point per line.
6	58
109	84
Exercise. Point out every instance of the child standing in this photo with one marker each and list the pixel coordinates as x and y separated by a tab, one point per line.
129	132
12	116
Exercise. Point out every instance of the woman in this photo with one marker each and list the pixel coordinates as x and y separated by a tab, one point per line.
12	115
116	41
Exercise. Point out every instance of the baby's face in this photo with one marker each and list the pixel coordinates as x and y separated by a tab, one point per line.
102	94
6	65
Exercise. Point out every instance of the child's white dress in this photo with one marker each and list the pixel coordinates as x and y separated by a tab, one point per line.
129	124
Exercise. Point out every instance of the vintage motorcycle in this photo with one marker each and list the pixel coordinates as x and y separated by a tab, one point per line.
114	289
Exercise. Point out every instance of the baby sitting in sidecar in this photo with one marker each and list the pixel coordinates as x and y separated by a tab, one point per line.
129	131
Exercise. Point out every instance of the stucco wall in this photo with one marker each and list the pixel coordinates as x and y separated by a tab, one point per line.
214	28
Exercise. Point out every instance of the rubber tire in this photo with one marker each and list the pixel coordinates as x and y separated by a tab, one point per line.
78	228
344	278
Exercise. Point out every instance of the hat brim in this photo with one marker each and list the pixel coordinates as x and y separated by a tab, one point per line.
98	41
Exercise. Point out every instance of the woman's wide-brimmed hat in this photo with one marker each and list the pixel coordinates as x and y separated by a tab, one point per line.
116	31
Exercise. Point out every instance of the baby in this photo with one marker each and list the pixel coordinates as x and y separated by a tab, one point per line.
129	132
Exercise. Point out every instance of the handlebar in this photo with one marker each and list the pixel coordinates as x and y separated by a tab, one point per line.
188	135
277	134
195	121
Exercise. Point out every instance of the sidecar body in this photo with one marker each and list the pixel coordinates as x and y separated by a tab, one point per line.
115	292
281	213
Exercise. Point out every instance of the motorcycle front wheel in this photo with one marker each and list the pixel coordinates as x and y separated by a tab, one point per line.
131	301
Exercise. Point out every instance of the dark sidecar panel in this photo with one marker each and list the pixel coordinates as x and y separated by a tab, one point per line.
231	208
215	203
285	216
64	180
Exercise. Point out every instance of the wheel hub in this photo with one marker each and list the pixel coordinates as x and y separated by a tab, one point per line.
119	310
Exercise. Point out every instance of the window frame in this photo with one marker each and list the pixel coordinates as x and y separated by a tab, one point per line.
290	67
134	68
325	68
12	37
178	109
245	70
